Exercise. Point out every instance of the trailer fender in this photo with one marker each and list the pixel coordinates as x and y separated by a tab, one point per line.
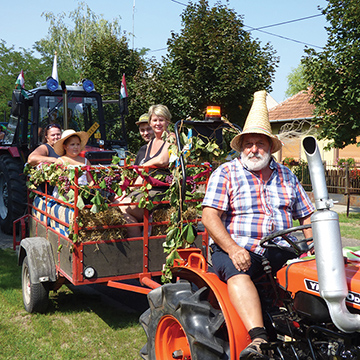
40	259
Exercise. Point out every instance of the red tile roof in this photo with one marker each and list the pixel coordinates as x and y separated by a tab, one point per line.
295	107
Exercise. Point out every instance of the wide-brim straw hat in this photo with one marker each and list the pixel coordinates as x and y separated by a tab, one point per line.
257	122
59	145
143	119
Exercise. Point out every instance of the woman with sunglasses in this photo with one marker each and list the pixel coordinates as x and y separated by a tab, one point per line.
45	152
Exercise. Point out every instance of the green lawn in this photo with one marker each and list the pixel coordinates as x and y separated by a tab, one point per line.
77	326
350	226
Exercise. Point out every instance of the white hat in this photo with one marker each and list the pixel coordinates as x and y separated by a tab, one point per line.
257	122
83	136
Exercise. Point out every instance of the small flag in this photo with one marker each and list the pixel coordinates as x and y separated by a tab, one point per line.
20	81
54	74
123	105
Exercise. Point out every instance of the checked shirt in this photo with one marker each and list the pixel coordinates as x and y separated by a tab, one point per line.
253	209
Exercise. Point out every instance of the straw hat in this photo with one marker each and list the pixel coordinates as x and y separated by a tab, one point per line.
83	136
143	119
257	122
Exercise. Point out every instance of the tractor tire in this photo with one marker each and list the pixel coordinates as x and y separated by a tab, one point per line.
181	324
13	198
35	296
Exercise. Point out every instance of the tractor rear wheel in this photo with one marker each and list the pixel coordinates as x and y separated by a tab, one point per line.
12	192
181	324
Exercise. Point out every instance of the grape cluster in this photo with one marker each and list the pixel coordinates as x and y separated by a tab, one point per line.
108	181
64	183
169	179
192	183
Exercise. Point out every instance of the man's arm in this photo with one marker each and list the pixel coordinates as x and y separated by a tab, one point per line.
40	154
211	218
305	221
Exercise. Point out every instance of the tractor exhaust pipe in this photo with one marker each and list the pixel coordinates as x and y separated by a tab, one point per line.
328	247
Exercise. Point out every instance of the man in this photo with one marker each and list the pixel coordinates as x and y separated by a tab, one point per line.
247	199
146	133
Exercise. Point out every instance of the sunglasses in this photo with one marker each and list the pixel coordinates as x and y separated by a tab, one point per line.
52	126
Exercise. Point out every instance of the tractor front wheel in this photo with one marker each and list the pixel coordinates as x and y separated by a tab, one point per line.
181	324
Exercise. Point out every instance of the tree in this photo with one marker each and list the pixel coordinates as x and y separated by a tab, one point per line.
334	74
296	81
214	61
71	43
107	59
11	63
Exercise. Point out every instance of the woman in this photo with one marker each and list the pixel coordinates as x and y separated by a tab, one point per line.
45	152
157	154
68	148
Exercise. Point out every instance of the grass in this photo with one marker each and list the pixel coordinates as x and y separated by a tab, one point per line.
350	226
76	326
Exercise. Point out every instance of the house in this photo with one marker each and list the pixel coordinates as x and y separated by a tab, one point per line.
293	118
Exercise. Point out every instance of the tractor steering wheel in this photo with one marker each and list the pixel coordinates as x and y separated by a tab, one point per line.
298	247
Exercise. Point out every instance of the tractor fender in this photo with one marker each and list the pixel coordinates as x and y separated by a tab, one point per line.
196	273
40	259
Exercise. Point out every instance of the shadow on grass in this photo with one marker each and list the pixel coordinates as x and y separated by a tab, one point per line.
10	272
66	301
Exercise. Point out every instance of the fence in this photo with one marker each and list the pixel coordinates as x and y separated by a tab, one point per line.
339	180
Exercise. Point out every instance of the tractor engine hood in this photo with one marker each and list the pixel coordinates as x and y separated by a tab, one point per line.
328	247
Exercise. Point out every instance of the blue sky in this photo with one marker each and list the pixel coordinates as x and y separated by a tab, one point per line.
153	21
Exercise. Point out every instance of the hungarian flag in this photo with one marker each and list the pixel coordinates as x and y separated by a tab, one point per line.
20	81
123	105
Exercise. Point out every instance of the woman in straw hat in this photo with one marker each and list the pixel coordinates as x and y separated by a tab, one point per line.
247	199
69	148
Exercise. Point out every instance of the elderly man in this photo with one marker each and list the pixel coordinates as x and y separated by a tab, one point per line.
147	134
247	199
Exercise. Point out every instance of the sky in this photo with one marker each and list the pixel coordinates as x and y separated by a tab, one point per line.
152	21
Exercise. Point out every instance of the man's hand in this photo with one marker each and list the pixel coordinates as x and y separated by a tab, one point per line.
240	257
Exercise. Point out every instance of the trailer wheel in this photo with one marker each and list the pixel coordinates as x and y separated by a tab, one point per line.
181	324
35	296
12	192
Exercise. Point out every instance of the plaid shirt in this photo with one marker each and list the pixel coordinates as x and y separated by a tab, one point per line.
253	209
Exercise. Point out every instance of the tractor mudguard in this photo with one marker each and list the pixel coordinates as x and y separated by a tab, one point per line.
40	258
197	273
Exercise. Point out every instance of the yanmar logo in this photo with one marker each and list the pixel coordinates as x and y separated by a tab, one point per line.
313	286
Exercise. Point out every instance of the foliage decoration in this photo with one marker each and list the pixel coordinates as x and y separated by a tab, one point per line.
199	155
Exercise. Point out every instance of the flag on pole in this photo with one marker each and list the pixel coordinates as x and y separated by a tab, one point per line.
54	74
20	81
123	105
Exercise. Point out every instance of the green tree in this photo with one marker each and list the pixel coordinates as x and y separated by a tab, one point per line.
107	59
334	74
296	81
214	61
71	42
11	63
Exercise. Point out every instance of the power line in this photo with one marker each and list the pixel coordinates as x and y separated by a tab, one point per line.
286	38
268	26
285	22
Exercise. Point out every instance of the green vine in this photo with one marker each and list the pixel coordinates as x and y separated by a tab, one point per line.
181	232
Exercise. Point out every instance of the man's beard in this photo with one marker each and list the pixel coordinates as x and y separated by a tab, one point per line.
257	165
